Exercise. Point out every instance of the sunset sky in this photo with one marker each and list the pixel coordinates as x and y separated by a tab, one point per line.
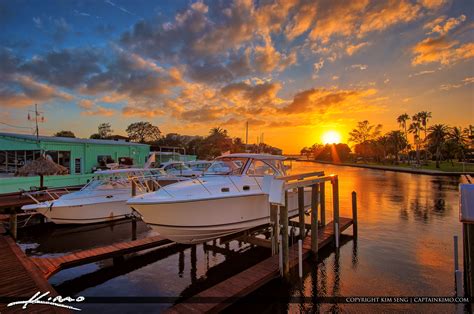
293	69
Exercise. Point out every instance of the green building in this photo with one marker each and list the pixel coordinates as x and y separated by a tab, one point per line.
81	156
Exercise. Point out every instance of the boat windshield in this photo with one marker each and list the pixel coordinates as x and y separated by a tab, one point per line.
107	184
227	165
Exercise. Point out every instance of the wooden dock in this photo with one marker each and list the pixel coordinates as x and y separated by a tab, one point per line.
50	266
20	278
254	277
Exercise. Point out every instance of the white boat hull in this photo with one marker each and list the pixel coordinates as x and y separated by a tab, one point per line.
217	217
86	214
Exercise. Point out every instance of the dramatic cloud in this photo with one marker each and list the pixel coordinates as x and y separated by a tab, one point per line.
252	94
441	50
320	100
66	68
301	21
22	90
441	28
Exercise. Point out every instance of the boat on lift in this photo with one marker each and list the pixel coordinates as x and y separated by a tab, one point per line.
228	198
102	199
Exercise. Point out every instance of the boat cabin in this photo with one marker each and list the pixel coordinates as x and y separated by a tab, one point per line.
248	164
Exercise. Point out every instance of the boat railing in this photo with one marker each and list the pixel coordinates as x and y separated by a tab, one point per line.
51	194
149	183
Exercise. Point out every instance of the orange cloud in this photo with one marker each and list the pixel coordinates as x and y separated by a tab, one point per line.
438	27
388	14
28	91
441	50
99	111
320	100
351	49
143	111
301	21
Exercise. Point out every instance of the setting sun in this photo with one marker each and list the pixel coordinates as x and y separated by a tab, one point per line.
331	137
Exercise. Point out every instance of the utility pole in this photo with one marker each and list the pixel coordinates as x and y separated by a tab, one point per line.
37	114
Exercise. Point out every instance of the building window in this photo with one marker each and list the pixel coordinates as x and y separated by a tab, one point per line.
77	166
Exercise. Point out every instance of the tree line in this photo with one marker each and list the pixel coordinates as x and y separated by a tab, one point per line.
214	144
436	142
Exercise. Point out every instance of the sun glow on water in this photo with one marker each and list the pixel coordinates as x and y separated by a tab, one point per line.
331	137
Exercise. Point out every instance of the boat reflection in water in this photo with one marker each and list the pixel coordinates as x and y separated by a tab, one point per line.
52	239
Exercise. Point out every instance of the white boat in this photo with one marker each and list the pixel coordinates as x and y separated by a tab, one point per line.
102	199
227	199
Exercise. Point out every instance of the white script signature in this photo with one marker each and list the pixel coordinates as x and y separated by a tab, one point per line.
39	298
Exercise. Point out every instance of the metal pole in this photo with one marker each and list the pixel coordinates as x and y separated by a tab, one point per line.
300	258
354	213
336	234
301	212
314	218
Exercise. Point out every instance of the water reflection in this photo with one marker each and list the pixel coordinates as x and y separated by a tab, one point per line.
404	247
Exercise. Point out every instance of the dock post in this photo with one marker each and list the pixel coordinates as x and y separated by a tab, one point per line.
335	202
134	228
134	188
300	258
280	256
13	225
457	272
301	212
284	240
274	226
314	218
354	213
322	202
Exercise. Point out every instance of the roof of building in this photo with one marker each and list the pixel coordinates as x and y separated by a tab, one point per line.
69	139
254	156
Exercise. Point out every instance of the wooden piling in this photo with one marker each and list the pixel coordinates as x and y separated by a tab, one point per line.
134	228
314	218
301	212
134	188
13	225
275	229
322	202
354	213
284	240
335	202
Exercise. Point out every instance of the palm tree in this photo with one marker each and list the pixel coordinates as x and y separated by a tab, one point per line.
218	131
459	138
415	128
402	122
424	116
437	138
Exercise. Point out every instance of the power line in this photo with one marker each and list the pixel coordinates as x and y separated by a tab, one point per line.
15	126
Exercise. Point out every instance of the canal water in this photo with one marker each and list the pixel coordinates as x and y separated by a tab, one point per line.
404	248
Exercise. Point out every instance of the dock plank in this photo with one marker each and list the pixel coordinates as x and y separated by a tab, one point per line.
50	266
256	276
20	278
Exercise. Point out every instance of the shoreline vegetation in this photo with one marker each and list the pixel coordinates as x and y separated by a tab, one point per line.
438	149
405	168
